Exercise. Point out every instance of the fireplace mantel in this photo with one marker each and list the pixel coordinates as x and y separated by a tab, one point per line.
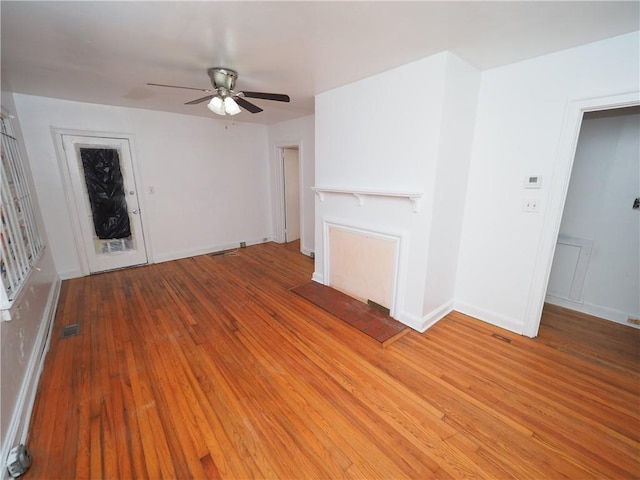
361	195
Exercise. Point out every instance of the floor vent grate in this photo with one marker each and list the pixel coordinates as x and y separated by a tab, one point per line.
70	330
500	337
379	307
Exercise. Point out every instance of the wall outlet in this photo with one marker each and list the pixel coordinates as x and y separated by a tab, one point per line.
634	321
18	461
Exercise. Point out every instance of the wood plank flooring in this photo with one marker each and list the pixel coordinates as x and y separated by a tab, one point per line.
210	367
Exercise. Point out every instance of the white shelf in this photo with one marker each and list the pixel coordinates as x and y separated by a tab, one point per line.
361	195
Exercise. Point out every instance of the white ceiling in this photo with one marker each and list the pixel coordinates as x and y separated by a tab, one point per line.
106	52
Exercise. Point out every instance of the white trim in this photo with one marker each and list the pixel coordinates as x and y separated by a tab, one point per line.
278	169
305	251
139	183
74	215
18	430
487	316
605	313
49	315
414	197
433	317
278	193
557	196
167	257
411	321
400	239
428	320
367	232
318	277
68	275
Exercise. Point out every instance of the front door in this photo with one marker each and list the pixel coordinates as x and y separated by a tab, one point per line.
106	199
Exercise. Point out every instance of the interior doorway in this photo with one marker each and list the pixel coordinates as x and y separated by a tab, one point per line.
557	195
103	199
291	193
596	265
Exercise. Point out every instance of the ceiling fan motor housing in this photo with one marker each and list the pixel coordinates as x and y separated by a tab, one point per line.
223	78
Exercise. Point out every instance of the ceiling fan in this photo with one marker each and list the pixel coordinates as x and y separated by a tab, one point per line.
223	100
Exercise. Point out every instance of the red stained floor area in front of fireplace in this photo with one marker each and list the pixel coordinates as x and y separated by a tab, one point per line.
365	318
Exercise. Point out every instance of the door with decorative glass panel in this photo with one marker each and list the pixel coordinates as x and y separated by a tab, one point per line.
106	201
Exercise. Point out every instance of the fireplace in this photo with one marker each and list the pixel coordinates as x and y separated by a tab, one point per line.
362	262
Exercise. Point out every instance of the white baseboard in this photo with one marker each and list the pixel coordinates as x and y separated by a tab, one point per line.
410	320
497	319
70	274
318	277
167	257
436	315
421	324
306	251
606	313
18	430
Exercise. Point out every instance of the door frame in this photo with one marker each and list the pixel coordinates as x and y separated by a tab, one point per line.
74	214
287	216
560	179
280	214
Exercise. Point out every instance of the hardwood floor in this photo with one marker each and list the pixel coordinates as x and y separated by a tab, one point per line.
210	367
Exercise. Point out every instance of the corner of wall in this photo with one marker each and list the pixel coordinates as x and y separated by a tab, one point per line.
422	324
457	127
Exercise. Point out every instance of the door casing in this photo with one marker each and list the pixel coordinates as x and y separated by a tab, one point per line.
575	110
279	194
291	183
74	213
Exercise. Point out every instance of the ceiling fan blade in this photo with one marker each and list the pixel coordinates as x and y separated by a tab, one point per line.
278	97
200	100
247	105
206	90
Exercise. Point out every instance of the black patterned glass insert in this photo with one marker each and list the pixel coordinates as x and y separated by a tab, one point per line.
105	187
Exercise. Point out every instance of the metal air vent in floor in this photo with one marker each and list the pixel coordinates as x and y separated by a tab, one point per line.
70	330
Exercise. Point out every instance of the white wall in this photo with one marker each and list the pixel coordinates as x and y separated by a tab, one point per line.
24	338
457	124
208	175
417	142
299	132
604	181
519	127
365	143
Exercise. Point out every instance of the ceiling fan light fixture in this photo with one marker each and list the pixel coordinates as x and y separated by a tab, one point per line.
216	105
222	99
231	106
